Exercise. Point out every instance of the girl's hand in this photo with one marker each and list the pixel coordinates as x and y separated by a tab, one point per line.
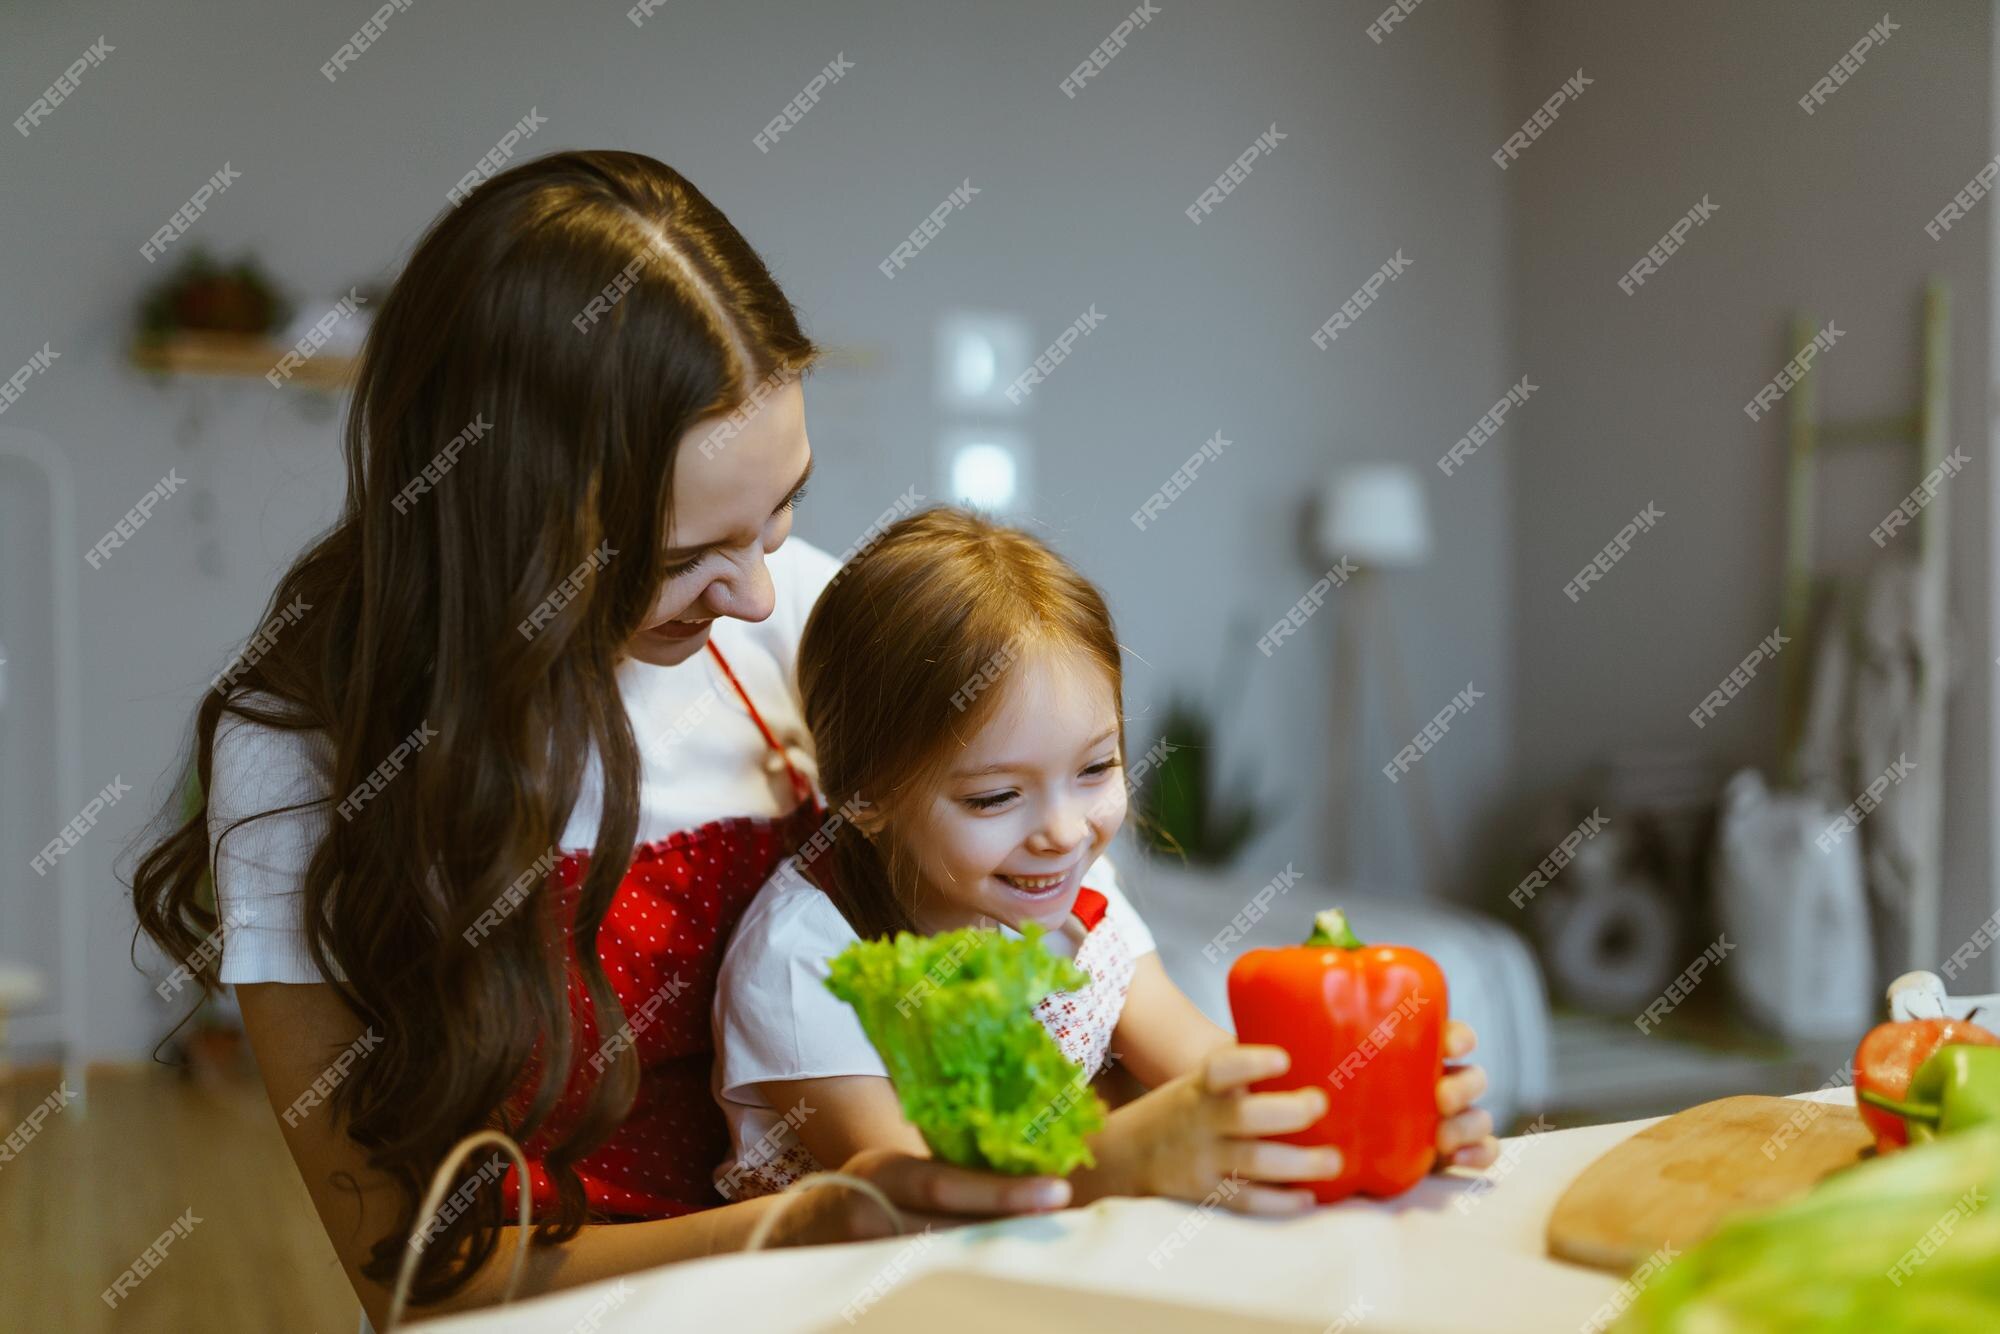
928	1193
1465	1133
1183	1140
1190	1136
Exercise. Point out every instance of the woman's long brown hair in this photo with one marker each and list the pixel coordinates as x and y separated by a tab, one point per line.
416	599
903	660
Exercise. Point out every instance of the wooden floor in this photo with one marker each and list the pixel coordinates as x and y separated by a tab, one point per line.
110	1173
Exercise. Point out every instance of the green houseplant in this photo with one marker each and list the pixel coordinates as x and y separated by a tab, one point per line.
1183	806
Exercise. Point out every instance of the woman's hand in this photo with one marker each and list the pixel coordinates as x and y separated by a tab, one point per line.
927	1193
1188	1137
1465	1133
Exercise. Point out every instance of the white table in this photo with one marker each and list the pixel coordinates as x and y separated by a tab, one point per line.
1456	1253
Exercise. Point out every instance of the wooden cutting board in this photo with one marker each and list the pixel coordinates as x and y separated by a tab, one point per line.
1676	1180
973	1303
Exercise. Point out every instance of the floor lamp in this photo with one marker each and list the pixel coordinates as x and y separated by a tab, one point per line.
1374	515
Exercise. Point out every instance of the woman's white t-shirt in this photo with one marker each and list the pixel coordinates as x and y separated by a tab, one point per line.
701	759
776	1020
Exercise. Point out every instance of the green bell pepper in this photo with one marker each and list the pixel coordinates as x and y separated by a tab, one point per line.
1957	1086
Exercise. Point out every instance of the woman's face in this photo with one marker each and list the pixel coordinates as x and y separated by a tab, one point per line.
1031	802
735	480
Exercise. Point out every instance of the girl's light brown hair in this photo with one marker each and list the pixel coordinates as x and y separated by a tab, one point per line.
903	660
414	601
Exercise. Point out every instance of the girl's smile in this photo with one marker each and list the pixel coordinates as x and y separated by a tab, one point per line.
1038	886
1043	897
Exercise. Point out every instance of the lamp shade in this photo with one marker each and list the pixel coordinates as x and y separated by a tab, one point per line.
1375	515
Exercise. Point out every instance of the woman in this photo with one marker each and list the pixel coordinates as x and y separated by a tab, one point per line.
485	810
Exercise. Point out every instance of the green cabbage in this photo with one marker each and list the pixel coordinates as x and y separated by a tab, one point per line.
1904	1244
953	1018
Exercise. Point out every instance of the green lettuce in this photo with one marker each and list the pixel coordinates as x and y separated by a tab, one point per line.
1908	1243
953	1018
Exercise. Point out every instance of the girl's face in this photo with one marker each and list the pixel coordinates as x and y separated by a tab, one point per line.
735	481
1033	800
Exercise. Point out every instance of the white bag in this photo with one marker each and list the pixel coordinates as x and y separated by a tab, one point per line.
1796	913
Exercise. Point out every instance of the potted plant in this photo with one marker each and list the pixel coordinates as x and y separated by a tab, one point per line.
1182	806
204	297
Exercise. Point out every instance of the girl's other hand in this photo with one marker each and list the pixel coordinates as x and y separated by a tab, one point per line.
1465	1133
1190	1136
927	1193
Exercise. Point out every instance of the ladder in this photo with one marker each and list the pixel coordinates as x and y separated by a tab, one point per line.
1927	427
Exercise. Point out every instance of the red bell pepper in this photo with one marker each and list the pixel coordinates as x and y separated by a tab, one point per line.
1890	1055
1366	1023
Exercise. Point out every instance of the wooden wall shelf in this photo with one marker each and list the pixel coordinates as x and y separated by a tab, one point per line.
239	355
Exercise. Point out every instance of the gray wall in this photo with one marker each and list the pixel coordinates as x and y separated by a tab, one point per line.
1206	328
1644	394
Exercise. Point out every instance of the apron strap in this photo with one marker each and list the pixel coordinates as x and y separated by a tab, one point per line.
800	787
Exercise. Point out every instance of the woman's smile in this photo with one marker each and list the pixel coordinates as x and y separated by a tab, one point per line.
681	629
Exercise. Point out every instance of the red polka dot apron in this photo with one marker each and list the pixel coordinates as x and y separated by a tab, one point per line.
661	945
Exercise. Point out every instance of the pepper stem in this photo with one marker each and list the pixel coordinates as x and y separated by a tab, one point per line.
1909	1111
1330	928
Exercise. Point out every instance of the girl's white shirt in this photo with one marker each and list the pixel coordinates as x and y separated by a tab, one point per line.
776	1020
701	758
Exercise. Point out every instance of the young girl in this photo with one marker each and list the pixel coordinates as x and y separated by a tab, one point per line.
962	686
